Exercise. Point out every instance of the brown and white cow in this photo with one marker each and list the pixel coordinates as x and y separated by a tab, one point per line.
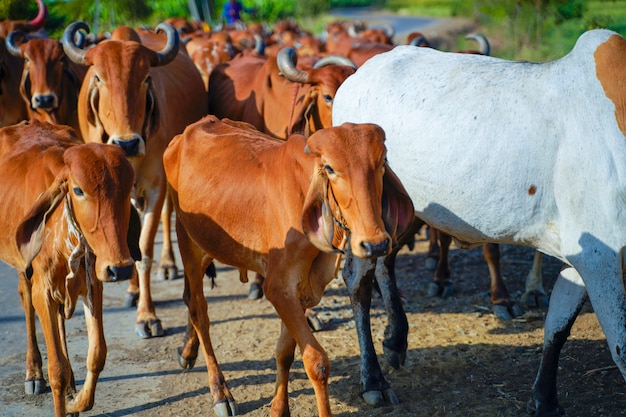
12	109
140	91
274	95
65	213
283	209
50	82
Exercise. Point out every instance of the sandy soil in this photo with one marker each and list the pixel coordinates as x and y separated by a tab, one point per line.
462	360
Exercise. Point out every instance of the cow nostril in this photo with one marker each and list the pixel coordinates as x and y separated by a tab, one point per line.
44	101
130	147
375	250
120	273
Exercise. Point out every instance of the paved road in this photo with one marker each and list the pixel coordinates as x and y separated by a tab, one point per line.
12	324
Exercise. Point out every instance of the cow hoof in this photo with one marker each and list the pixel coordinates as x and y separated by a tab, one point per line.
373	398
444	291
395	359
35	386
535	299
504	312
557	411
430	263
314	321
146	330
185	363
255	292
130	299
391	397
225	408
167	272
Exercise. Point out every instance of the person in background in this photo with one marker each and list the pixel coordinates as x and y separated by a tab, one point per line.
232	11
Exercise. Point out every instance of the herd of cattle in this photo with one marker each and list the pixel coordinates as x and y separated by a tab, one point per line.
282	153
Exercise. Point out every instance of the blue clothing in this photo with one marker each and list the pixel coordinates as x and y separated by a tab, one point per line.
232	11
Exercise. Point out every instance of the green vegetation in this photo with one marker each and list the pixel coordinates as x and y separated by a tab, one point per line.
534	30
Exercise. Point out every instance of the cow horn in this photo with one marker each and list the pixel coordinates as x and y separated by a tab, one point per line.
334	60
419	41
12	46
170	50
42	16
72	50
286	61
483	43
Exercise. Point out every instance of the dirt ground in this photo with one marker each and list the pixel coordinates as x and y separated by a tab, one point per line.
462	360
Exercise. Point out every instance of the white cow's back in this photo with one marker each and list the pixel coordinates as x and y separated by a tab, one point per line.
492	150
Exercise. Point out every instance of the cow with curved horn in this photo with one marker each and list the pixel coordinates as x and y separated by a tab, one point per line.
50	82
139	92
12	108
520	179
276	96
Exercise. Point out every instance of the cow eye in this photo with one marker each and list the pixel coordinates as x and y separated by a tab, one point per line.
327	98
78	191
148	80
329	169
96	78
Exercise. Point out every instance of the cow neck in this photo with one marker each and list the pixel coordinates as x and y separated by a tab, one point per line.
341	232
81	251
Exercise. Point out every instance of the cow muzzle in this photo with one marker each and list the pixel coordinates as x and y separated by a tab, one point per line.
46	102
132	145
119	273
374	250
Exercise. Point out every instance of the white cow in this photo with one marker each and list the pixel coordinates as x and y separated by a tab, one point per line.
516	153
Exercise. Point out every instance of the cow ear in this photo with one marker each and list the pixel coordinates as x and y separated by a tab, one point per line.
151	121
398	210
317	219
30	232
134	231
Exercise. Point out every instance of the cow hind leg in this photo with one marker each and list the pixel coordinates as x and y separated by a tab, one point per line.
535	295
501	303
188	353
167	264
358	274
285	350
35	382
194	265
568	297
441	285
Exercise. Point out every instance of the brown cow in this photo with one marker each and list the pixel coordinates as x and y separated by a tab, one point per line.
140	91
274	95
295	205
12	109
50	82
65	216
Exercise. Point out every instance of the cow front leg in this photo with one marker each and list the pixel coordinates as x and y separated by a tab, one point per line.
358	274
34	382
59	372
568	297
314	358
96	352
147	324
395	344
188	353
